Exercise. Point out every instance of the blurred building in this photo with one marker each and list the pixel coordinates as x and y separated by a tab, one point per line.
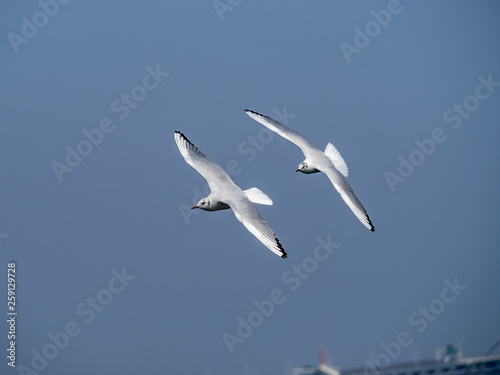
448	361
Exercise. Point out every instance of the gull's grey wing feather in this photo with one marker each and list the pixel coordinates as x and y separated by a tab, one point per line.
215	176
282	130
248	214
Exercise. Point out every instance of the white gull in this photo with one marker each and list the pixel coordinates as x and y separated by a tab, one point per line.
225	194
330	162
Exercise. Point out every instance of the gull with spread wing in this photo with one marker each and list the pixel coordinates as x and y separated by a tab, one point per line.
225	194
330	162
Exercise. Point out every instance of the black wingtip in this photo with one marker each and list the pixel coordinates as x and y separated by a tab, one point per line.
259	114
283	252
180	133
371	225
184	137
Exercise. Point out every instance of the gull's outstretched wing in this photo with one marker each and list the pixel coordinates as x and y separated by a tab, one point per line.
215	176
246	212
282	130
344	188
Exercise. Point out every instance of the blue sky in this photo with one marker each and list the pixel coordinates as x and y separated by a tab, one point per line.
138	72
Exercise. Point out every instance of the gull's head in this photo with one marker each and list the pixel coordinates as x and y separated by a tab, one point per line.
211	205
302	167
306	168
204	204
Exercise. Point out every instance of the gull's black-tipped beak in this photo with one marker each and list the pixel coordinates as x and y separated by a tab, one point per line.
194	207
298	170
